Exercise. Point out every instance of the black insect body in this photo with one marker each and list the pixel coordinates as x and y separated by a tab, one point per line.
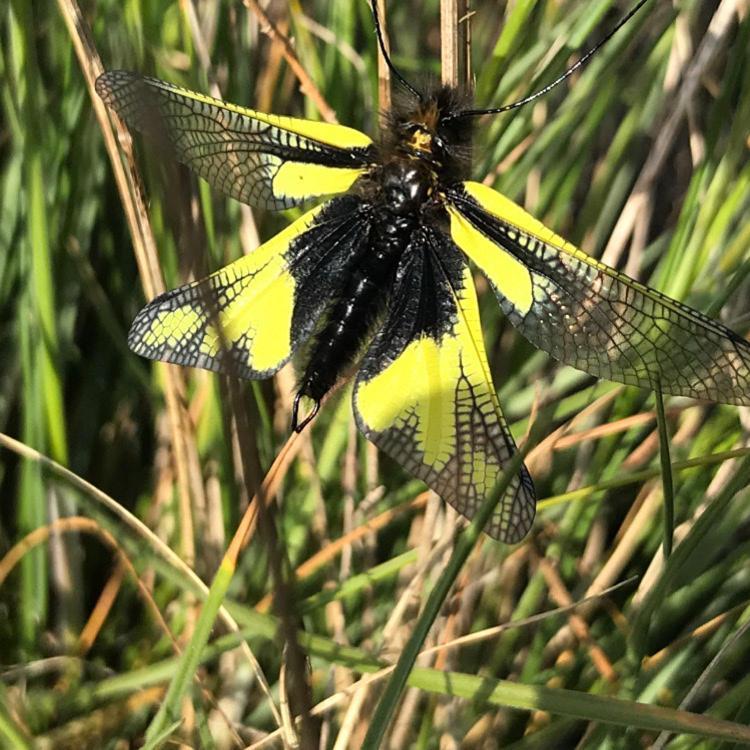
379	273
419	155
363	298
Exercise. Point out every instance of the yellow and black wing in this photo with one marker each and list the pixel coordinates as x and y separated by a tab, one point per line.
263	160
424	393
590	316
248	318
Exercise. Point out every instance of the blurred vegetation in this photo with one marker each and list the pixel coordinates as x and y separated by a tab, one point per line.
665	108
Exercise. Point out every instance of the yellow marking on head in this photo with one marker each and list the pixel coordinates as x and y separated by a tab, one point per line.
421	140
507	273
296	179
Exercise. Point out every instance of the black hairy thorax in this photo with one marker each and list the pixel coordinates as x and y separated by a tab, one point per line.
423	149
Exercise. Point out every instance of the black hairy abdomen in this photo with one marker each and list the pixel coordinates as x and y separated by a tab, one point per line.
362	297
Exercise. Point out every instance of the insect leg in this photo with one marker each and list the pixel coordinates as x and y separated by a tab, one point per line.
299	426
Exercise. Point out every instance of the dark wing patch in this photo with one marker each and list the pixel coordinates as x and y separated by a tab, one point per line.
424	393
590	316
244	319
264	160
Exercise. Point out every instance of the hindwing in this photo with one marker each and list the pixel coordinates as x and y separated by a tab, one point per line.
424	393
589	315
248	318
264	160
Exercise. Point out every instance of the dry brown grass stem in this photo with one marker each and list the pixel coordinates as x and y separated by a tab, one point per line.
141	530
80	524
336	700
455	43
119	147
639	202
561	596
329	552
307	86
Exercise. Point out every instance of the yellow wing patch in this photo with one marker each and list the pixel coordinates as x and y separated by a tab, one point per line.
330	133
260	159
425	377
506	210
238	320
427	397
591	316
296	180
429	403
510	275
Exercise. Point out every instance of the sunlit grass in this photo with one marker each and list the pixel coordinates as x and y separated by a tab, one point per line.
162	443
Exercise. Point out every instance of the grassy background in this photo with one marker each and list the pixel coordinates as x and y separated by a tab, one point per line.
643	160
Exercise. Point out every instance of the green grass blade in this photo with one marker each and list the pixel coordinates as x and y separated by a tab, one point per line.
666	473
168	715
464	545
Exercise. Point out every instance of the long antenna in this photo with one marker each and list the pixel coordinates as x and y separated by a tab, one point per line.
391	66
572	69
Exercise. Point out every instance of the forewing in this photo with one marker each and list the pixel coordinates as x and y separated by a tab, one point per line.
424	393
263	160
248	318
590	316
